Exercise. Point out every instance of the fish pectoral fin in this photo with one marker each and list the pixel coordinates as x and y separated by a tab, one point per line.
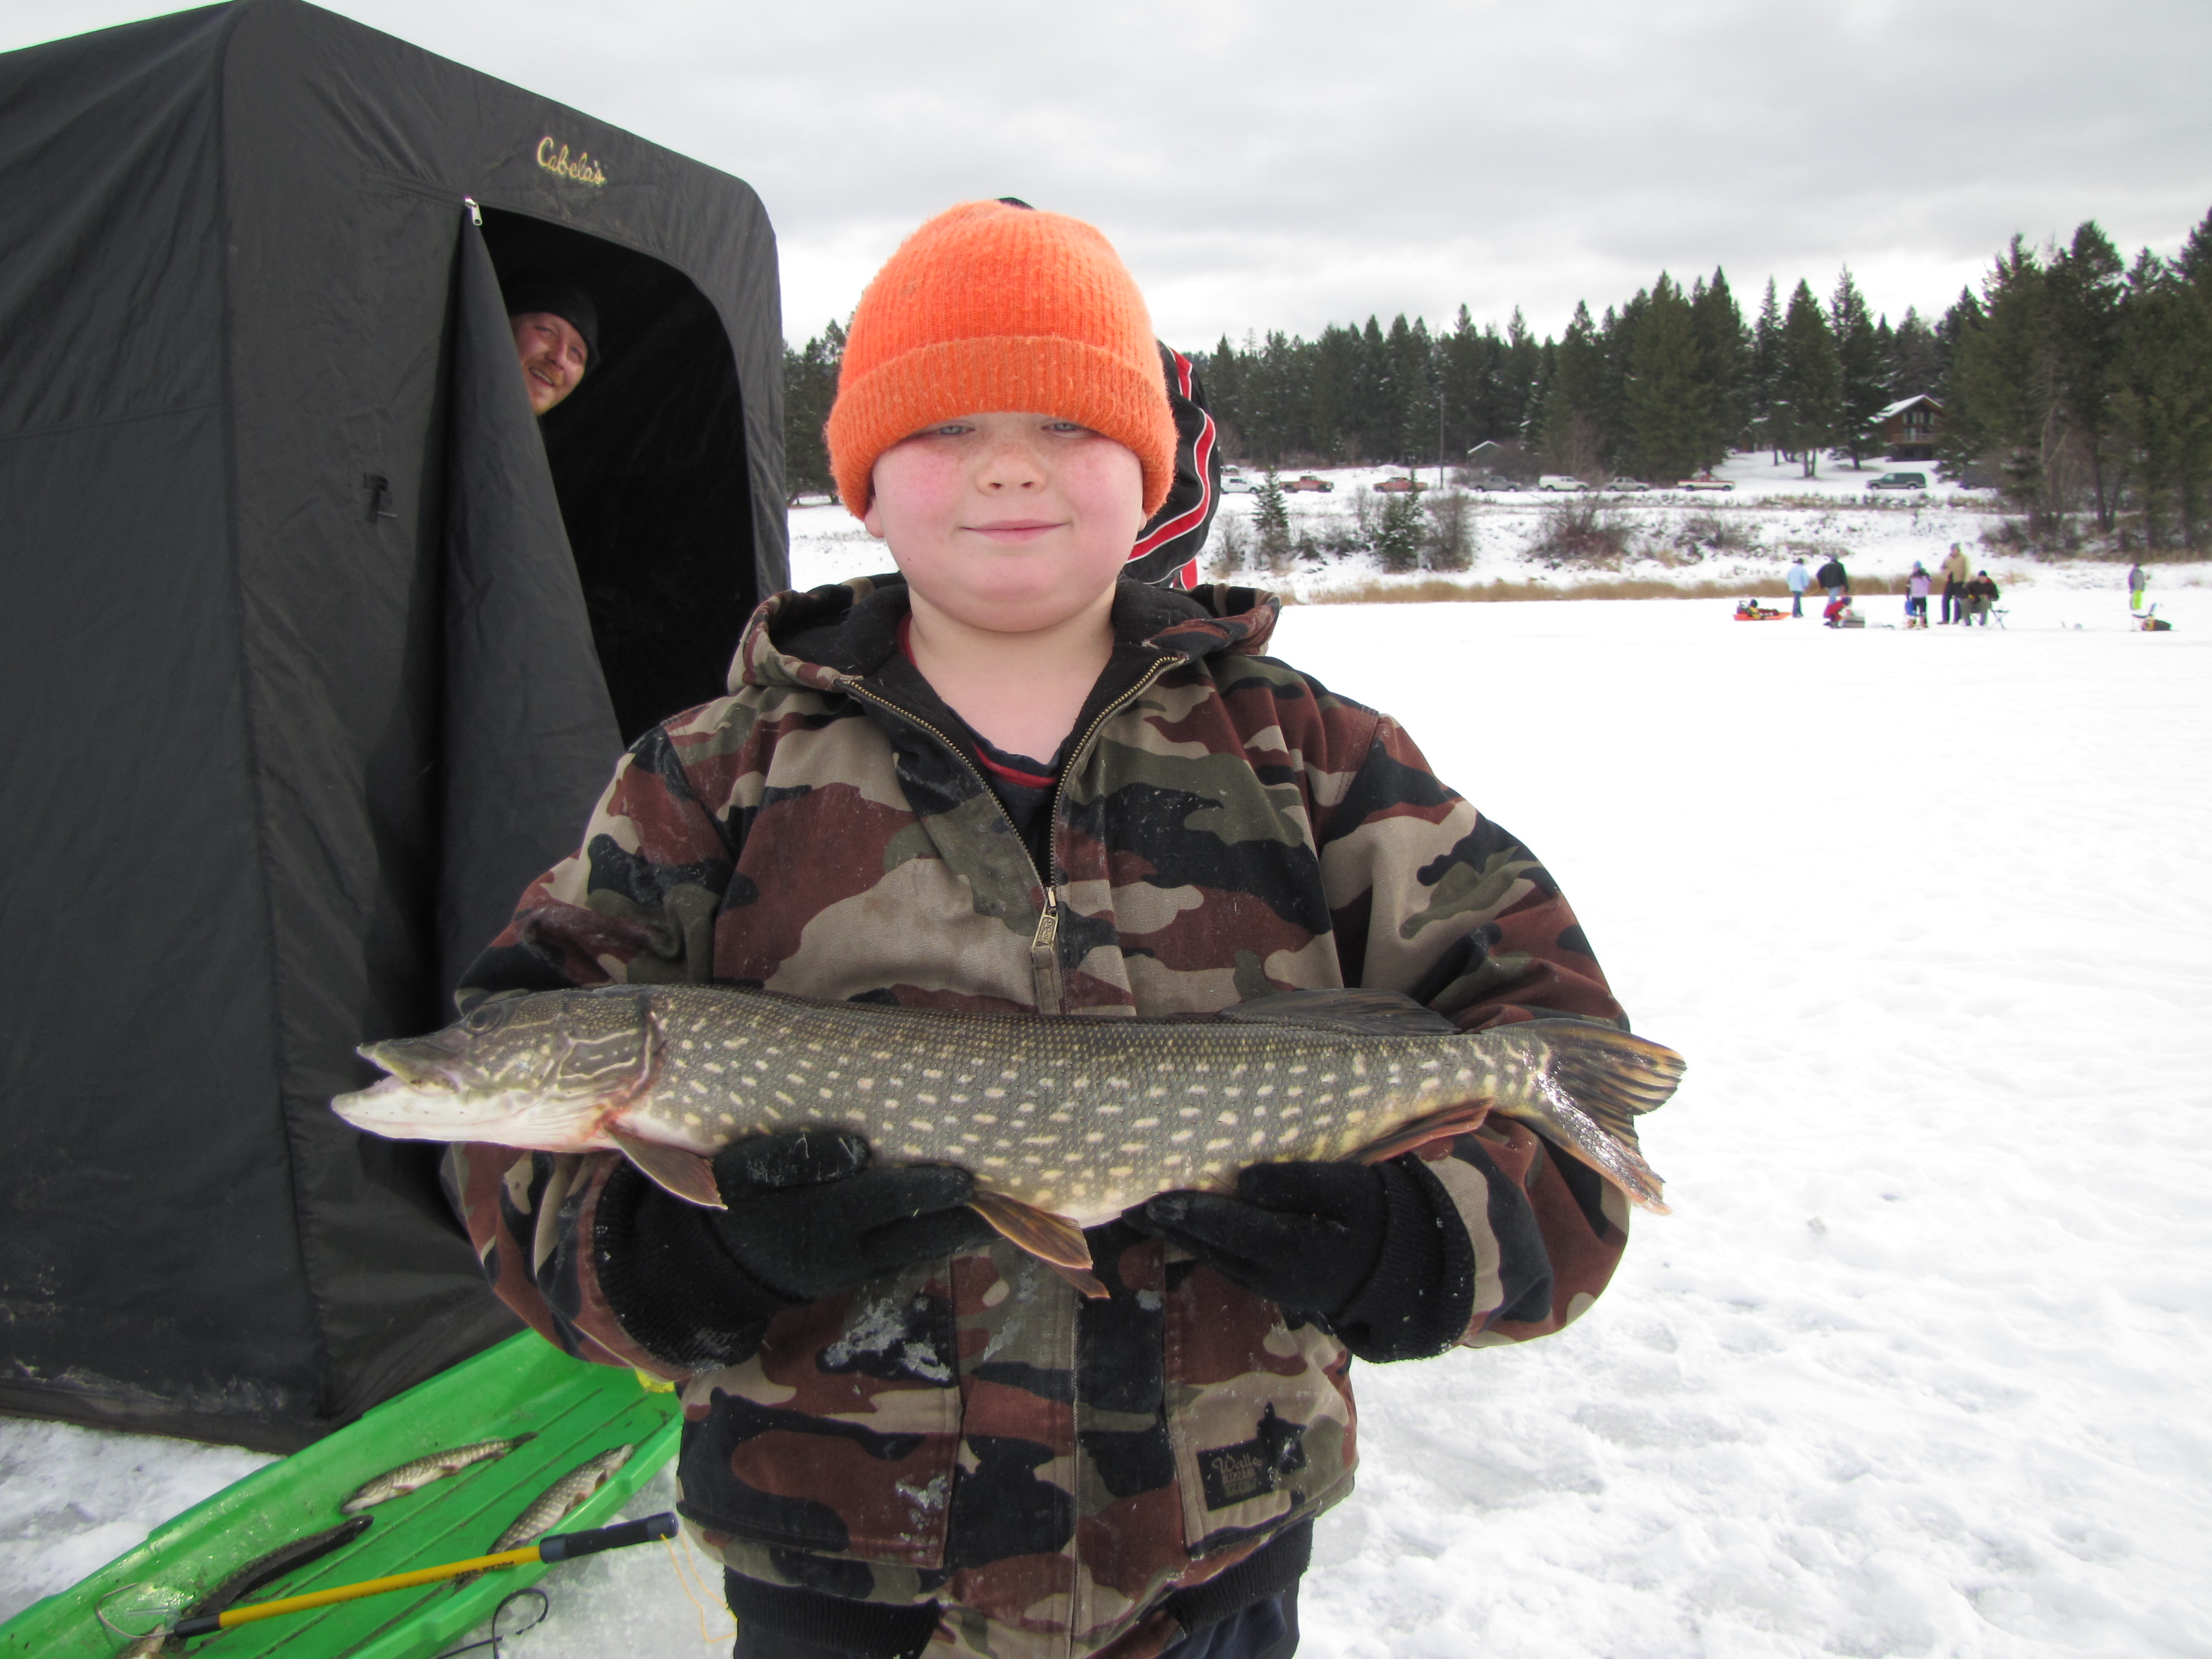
686	1175
1436	1126
1052	1239
1360	1012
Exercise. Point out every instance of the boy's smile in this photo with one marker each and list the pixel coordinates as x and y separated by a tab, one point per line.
1010	523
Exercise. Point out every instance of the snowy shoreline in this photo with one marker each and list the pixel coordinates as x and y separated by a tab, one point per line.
1736	540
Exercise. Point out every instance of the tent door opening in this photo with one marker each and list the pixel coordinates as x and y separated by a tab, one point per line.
648	460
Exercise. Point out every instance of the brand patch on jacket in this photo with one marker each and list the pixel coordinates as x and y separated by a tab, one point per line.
1252	1468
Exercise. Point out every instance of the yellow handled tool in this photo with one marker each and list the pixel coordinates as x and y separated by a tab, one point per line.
561	1547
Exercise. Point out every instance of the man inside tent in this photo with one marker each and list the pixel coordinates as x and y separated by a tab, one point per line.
557	336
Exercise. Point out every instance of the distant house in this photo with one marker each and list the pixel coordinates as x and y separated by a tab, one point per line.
1907	429
1506	460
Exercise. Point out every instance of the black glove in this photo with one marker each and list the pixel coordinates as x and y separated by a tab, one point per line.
1377	1251
807	1217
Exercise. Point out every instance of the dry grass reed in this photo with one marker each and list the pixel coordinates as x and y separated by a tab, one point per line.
1373	591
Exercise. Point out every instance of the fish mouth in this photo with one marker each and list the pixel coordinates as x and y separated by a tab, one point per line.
412	1062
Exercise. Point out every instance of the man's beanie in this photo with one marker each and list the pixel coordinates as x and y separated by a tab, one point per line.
566	300
992	306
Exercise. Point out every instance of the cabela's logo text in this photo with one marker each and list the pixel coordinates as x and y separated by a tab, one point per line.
554	158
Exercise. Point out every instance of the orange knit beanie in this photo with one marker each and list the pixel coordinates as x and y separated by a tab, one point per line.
993	307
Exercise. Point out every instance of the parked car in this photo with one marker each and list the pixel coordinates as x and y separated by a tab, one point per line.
1398	486
1706	481
1900	480
1627	486
1563	481
1236	484
1306	481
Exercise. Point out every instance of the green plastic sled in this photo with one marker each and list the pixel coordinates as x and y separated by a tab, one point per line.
523	1385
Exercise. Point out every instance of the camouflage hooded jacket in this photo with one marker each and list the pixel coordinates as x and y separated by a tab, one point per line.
970	1449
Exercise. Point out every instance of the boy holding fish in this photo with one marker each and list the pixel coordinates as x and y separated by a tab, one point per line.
1008	781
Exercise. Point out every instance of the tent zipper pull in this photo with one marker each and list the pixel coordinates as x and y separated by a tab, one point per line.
476	213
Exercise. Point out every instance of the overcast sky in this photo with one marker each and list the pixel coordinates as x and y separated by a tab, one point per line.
1286	165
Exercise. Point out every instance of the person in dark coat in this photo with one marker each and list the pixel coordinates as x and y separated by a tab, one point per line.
1830	576
1981	594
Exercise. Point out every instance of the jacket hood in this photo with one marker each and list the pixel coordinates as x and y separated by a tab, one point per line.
814	638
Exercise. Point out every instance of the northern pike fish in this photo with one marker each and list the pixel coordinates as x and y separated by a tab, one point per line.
262	1570
556	1504
1064	1122
418	1472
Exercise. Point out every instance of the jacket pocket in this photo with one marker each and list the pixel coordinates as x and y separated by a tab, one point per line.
1259	1409
840	1436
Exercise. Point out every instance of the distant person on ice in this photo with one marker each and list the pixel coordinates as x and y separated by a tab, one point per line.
1916	596
557	336
1799	581
2138	580
951	788
1832	580
1955	572
1981	594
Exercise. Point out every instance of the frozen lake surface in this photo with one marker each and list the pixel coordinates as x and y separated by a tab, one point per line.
1919	1365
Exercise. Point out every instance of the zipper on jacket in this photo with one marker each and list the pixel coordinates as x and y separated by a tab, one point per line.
1044	943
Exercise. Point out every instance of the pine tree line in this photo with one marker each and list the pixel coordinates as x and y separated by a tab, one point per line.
1667	383
2082	384
2085	384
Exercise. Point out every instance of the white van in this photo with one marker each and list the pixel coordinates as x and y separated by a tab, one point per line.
1561	481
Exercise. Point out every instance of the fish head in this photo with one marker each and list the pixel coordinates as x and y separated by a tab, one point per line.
542	1071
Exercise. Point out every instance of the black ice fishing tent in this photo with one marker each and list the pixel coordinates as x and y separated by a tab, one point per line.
313	647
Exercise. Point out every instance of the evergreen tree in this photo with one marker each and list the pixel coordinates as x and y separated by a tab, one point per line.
1399	538
1270	524
1861	387
2005	406
1725	346
1916	355
1418	429
1808	381
1573	398
1669	399
1767	371
1224	395
1375	407
810	387
2088	286
1521	375
2162	399
1340	390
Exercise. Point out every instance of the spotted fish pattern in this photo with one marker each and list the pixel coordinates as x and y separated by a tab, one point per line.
1053	1475
1078	1119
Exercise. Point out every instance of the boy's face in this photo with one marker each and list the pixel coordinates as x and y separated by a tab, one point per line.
1012	523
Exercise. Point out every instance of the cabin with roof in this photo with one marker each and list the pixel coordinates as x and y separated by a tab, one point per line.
1907	429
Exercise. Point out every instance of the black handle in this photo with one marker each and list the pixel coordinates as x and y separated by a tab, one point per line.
568	1546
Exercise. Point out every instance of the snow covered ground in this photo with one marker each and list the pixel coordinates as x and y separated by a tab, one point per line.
1922	1364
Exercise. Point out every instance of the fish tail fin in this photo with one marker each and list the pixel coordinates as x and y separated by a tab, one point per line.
1596	1081
1053	1239
1614	1075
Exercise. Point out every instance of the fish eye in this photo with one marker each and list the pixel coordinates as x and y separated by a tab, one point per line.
483	1018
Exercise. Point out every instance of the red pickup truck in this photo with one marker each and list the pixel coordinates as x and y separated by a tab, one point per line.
1306	481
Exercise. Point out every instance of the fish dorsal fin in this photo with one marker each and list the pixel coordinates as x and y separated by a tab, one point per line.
686	1175
1362	1013
1053	1239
